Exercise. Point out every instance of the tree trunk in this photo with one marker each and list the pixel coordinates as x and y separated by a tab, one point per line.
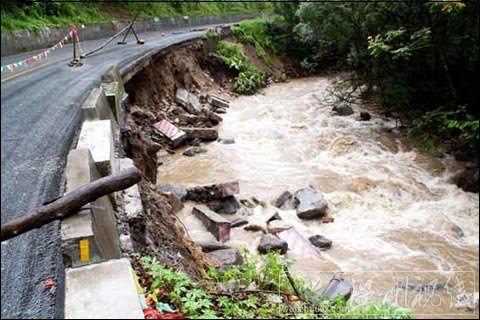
70	203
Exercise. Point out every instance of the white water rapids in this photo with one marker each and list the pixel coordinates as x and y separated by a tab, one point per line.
396	214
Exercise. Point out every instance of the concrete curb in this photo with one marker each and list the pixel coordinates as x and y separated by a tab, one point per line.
91	239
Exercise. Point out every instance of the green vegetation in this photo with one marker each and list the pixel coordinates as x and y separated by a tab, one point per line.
249	78
34	15
255	33
411	58
439	125
249	291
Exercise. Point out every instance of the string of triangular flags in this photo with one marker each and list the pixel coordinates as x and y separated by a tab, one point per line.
12	66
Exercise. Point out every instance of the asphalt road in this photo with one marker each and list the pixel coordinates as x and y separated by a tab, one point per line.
40	117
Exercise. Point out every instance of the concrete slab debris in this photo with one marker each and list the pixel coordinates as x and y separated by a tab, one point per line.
171	132
218	102
215	223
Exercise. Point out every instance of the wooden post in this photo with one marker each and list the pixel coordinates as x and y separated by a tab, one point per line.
70	203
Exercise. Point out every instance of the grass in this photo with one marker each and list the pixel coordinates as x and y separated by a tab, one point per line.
246	292
36	15
249	78
255	33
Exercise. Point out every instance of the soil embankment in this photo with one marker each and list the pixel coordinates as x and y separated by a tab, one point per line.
176	87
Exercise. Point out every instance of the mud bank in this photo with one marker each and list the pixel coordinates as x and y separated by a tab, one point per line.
155	95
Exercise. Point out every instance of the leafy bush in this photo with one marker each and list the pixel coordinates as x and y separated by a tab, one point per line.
441	125
243	293
249	78
255	33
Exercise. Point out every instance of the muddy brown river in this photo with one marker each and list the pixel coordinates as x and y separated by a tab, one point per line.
399	223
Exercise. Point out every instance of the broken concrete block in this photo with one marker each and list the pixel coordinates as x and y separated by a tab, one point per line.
207	134
213	192
114	91
172	133
96	107
297	244
310	203
211	116
271	243
228	205
97	136
218	102
89	236
216	224
188	101
89	291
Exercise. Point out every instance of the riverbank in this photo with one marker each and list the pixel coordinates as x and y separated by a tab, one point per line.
374	181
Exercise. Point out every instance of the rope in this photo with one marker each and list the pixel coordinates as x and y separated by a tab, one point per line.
25	62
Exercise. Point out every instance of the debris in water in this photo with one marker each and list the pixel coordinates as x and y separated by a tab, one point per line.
270	242
171	132
320	241
216	224
228	205
338	287
213	192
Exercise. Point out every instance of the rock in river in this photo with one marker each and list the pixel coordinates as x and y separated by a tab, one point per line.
180	192
193	151
228	205
310	203
271	243
343	109
285	201
365	116
320	241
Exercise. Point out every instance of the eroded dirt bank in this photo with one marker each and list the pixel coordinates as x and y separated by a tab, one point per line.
394	207
152	93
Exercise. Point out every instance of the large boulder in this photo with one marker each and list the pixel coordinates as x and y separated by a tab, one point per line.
225	258
467	179
271	243
228	205
310	203
320	241
343	109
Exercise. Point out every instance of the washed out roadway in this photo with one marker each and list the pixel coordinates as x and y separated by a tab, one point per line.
40	116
